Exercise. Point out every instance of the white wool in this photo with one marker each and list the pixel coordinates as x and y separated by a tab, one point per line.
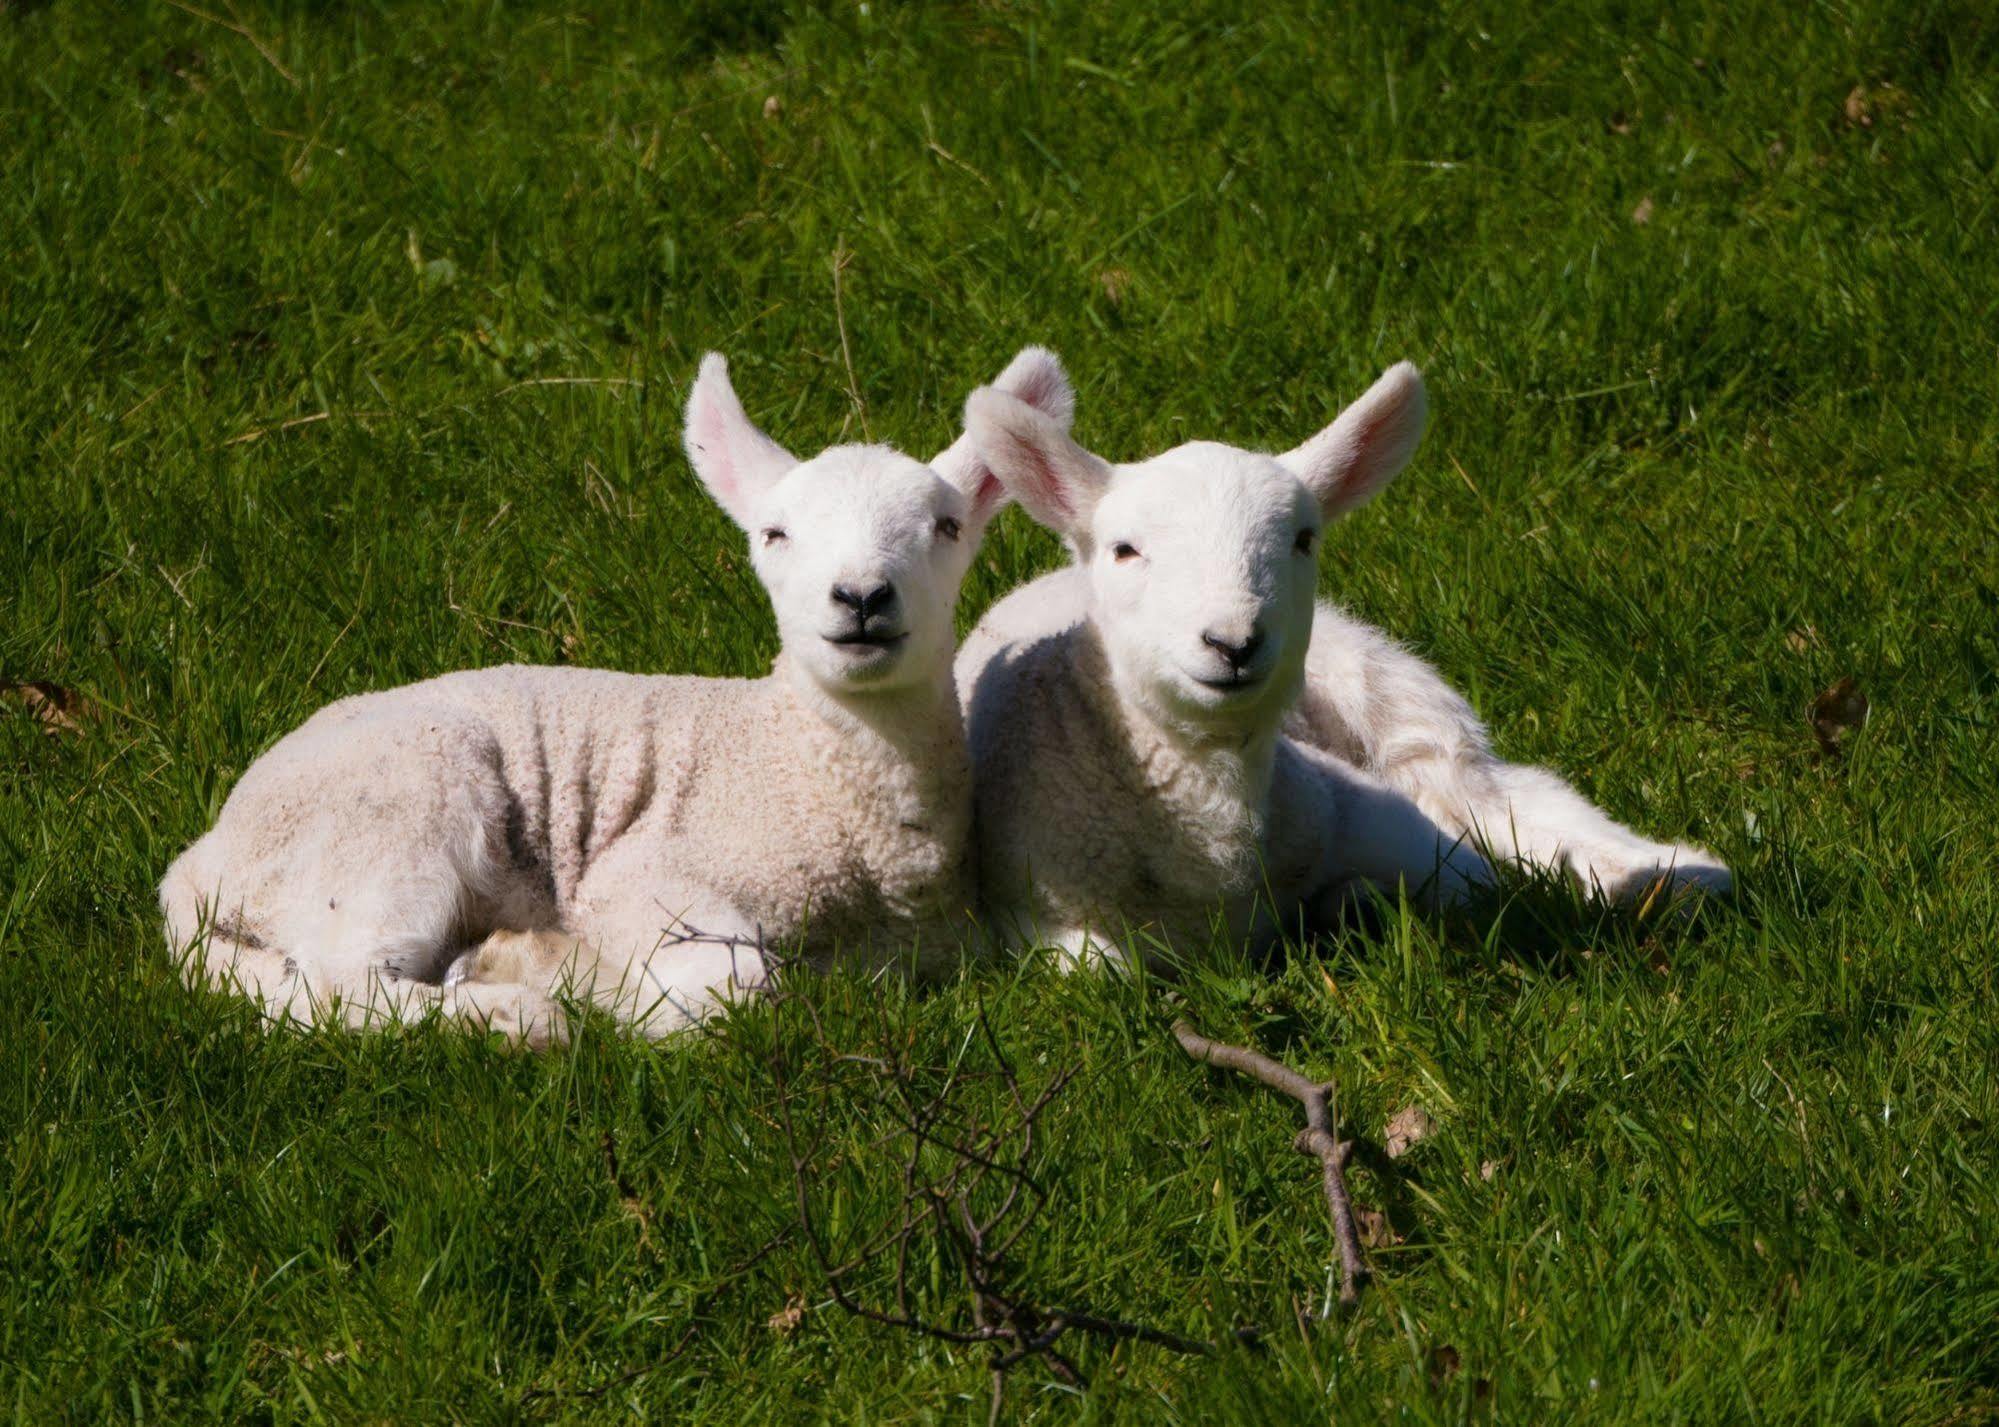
574	820
1364	703
1372	702
1125	717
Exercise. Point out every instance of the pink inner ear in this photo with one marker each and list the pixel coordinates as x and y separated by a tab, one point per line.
1375	441
1048	487
989	494
709	439
1039	389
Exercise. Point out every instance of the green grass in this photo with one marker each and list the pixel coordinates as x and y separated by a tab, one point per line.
1683	474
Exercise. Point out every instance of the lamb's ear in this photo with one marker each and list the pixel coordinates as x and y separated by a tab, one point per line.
735	461
1034	376
1055	480
1367	445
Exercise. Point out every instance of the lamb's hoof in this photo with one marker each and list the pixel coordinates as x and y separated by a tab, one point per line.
464	967
1679	879
508	958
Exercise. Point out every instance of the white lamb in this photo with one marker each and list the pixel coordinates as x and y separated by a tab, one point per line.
1364	699
579	822
1134	783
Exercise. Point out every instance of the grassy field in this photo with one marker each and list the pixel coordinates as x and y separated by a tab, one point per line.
344	344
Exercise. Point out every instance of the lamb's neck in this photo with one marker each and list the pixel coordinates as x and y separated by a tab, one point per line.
1211	773
917	727
896	764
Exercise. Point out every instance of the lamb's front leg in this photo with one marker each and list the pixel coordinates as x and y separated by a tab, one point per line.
518	982
656	973
676	959
1360	829
1372	702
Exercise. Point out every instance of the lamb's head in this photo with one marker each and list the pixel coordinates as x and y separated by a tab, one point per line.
1203	561
861	548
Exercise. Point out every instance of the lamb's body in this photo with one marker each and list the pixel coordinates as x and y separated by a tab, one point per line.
1175	724
392	830
1374	706
478	841
1099	830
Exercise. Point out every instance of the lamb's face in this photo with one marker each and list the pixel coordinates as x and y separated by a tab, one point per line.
862	550
1203	564
1203	561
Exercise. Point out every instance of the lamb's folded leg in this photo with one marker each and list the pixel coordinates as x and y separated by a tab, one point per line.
520	1012
670	961
1372	702
515	982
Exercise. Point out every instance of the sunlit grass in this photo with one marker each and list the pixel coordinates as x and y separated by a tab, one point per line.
345	344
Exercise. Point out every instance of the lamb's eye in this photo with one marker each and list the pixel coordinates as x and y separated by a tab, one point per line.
773	534
1123	551
948	527
1304	542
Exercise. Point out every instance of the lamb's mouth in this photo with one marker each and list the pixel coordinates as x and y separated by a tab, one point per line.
1233	684
866	639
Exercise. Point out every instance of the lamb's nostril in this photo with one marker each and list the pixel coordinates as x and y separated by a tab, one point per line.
1237	651
868	603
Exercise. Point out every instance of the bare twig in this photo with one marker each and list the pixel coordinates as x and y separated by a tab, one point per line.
968	1196
569	381
259	432
1319	1138
331	647
270	55
628	1198
843	255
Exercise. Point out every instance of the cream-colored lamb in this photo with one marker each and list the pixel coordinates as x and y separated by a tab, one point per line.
1377	706
1134	784
582	823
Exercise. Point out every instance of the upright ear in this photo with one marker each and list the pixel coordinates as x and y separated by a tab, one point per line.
735	461
1055	480
1367	444
1034	376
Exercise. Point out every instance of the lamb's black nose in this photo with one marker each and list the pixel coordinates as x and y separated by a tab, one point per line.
1238	654
865	604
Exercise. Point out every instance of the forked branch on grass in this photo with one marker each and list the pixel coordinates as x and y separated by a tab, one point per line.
1319	1138
968	1196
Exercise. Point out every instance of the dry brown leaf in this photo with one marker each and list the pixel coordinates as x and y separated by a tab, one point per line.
1866	105
1373	1227
1444	1364
1115	282
1836	712
57	708
773	107
1405	1128
1487	1169
1803	638
1642	214
788	1317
